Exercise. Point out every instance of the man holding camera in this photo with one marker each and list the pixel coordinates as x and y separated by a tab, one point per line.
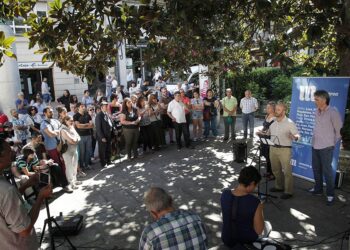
16	222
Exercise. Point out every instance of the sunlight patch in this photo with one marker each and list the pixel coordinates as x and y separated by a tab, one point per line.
299	215
214	217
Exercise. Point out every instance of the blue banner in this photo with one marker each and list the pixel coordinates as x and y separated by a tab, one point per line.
302	112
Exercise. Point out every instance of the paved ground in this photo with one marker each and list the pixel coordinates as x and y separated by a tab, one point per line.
114	215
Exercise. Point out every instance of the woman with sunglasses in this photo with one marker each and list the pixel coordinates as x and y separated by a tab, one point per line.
34	119
70	136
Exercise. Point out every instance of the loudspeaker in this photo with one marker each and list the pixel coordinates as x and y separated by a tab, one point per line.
70	225
240	151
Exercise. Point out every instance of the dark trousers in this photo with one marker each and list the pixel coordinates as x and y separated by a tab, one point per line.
322	166
58	177
181	128
104	151
157	133
57	158
145	134
228	126
131	136
248	118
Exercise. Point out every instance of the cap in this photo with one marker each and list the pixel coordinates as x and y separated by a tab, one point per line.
104	103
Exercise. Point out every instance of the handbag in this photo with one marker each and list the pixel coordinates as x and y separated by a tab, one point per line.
62	147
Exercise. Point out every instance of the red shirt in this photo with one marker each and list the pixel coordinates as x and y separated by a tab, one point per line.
185	100
3	119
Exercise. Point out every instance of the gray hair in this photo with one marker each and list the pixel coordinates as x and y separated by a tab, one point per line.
157	199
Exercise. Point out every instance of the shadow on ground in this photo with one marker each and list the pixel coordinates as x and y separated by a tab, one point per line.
111	199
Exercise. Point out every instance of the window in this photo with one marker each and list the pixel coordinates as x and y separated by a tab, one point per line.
41	14
18	25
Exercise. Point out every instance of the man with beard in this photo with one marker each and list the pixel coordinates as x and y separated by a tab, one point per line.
50	130
282	131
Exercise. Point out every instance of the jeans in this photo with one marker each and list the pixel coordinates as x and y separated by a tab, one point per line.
85	148
227	127
46	98
322	166
181	128
248	118
210	125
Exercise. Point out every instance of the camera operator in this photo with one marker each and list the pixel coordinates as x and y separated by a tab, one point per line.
29	164
16	222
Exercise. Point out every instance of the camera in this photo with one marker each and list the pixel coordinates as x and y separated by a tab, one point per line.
44	179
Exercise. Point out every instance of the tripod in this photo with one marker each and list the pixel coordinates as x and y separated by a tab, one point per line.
48	222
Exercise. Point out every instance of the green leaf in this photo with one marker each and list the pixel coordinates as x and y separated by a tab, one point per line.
8	41
10	54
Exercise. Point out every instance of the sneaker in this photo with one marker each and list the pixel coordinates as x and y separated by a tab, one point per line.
330	200
89	167
194	139
314	192
225	139
73	186
78	182
68	189
81	174
276	190
286	196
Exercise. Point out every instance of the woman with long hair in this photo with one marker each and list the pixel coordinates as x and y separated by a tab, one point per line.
62	113
70	136
145	124
130	120
34	120
65	99
210	113
156	123
197	107
73	101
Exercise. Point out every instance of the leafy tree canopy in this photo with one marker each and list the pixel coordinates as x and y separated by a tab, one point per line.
82	36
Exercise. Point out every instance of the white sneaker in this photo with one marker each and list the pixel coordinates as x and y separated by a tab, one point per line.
78	182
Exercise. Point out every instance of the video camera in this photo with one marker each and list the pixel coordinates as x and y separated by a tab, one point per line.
6	131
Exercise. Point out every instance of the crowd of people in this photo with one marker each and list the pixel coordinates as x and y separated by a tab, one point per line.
100	127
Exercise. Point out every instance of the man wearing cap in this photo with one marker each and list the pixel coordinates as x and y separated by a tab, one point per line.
103	125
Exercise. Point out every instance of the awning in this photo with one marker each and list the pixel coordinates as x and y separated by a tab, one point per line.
35	65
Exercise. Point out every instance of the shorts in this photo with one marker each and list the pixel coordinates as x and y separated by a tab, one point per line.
197	115
166	121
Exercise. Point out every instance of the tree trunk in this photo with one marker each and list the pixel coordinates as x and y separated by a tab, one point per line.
344	44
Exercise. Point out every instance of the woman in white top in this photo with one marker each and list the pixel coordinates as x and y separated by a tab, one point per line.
70	136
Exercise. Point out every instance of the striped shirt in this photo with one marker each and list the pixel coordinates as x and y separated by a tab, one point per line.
179	229
248	105
21	163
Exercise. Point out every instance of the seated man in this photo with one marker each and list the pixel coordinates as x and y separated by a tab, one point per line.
28	164
173	229
242	212
17	223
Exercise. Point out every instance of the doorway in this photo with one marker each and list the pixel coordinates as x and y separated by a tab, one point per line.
31	82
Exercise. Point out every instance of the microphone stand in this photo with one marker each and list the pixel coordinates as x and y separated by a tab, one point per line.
264	196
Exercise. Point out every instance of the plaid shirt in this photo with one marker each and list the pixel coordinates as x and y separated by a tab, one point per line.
249	105
179	229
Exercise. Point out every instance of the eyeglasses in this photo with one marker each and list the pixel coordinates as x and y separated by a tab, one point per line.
91	110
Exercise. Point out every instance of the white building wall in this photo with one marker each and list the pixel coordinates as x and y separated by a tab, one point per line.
61	80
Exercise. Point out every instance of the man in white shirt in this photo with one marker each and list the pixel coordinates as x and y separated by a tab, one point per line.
45	91
114	84
283	131
176	111
248	105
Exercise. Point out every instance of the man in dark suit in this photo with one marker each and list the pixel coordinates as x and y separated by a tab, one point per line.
103	125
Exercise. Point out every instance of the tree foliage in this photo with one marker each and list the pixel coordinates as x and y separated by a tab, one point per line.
82	36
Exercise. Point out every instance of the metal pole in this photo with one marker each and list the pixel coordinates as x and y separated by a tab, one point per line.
142	66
